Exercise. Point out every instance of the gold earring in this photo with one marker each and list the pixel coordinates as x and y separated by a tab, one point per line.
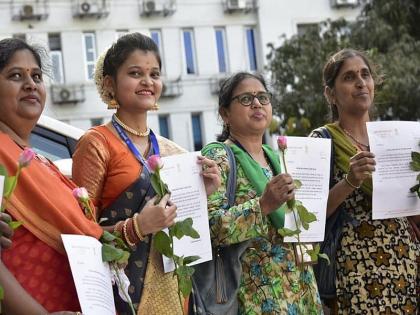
113	104
155	107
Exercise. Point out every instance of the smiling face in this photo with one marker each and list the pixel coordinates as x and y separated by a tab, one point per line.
353	90
22	90
247	120
137	86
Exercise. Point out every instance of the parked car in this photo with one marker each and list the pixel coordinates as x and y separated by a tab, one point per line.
56	141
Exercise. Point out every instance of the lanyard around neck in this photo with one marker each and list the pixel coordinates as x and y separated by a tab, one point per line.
132	147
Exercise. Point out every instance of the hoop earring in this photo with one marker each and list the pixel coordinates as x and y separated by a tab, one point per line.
155	107
113	104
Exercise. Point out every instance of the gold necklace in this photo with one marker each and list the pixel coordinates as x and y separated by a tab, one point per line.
354	139
131	130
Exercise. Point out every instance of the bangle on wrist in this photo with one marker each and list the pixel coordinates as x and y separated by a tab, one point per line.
350	183
131	232
137	228
125	234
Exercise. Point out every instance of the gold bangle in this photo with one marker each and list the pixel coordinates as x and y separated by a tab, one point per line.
349	183
127	240
137	228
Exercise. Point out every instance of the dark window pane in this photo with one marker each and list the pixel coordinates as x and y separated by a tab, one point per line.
49	148
250	39
54	41
20	36
197	133
156	38
189	52
164	126
57	66
88	42
221	54
91	69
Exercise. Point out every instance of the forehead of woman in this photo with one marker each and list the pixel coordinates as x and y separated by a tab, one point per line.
249	85
353	64
141	58
22	58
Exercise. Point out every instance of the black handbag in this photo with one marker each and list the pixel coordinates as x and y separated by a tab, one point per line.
326	273
216	282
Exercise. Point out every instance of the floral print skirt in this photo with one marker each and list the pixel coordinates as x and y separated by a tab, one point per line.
377	265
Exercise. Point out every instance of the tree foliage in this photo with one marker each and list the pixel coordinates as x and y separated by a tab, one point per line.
388	30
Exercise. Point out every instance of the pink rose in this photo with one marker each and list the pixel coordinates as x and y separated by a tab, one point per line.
155	163
282	142
81	194
26	157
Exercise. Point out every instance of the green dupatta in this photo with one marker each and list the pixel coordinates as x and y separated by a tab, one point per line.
343	151
256	176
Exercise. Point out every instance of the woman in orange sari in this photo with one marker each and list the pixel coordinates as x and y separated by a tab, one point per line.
109	162
34	271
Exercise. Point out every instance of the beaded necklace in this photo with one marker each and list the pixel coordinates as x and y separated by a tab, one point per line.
131	130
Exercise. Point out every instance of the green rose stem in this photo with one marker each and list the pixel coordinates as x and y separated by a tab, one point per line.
114	251
290	205
164	243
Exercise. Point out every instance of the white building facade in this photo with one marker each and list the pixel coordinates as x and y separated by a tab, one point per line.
201	42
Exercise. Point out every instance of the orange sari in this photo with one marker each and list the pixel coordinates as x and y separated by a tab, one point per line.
106	167
44	203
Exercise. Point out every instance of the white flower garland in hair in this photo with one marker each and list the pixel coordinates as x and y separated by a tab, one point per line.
98	76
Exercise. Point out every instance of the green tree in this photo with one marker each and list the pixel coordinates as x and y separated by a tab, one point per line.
390	33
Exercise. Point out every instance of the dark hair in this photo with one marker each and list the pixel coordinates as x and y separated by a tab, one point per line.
333	67
226	93
9	46
125	45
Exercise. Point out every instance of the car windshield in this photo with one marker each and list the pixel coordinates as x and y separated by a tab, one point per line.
52	150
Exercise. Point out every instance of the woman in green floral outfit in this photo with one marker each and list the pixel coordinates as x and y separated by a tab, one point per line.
271	282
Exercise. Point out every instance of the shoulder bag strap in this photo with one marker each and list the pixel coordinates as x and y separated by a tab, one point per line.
231	182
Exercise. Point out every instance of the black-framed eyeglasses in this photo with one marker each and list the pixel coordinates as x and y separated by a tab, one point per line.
246	99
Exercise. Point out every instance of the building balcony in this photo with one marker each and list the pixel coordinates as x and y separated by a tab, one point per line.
172	88
90	8
157	7
344	3
241	6
26	10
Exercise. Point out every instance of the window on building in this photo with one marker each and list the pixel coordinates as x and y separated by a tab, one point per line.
90	53
305	28
156	35
96	121
221	49
252	53
197	132
164	126
189	50
20	36
54	43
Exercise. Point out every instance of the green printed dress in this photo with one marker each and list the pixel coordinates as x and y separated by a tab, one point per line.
271	283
